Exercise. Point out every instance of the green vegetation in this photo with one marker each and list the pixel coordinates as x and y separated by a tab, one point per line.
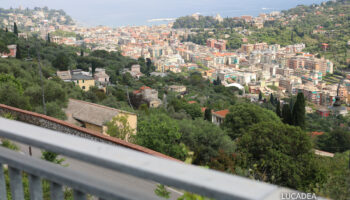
259	141
161	191
63	33
280	154
119	127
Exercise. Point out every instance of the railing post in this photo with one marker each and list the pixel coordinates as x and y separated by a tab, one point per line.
3	193
35	188
56	191
79	195
16	184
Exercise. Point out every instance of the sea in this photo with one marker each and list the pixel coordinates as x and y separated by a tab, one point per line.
116	13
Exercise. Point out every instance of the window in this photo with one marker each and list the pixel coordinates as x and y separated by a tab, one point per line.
83	81
78	81
83	87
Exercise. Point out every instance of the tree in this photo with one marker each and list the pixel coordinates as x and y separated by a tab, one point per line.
194	110
217	81
18	52
280	154
205	139
6	30
272	99
278	109
3	48
62	61
159	132
119	127
244	115
338	182
48	38
337	140
15	29
287	114
81	52
207	114
298	114
11	92
260	96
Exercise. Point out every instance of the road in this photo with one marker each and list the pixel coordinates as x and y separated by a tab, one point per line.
141	185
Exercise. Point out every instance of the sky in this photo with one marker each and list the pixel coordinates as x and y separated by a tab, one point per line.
136	12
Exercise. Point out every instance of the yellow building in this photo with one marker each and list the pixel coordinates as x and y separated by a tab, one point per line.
94	116
83	81
78	77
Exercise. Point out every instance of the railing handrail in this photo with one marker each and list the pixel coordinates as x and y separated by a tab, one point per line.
89	184
183	176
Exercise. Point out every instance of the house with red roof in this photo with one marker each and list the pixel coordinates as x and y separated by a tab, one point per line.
219	116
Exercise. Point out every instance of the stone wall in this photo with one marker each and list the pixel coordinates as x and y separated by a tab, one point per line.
64	127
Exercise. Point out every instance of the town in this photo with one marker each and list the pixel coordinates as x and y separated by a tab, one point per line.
157	110
259	68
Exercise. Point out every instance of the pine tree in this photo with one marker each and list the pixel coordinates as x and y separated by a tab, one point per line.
15	29
298	114
48	38
207	114
18	52
278	109
286	114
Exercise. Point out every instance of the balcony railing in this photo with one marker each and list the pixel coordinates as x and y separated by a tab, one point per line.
171	173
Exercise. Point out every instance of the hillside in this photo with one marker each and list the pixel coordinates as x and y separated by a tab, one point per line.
255	140
31	19
313	25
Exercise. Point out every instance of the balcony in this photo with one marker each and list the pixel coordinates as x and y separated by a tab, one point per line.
140	167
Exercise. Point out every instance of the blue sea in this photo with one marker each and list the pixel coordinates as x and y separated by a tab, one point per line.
138	12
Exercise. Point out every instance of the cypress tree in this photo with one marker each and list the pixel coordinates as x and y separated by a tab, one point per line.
18	52
298	114
278	109
81	53
272	99
7	30
260	96
48	38
207	114
15	29
286	114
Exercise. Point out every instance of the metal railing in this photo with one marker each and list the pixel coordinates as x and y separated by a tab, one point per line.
171	173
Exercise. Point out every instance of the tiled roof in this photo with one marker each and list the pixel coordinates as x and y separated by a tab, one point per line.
316	133
90	112
222	113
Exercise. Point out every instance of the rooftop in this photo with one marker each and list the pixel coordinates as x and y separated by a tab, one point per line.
92	113
221	113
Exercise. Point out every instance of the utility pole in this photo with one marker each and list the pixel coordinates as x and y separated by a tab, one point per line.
127	92
42	84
